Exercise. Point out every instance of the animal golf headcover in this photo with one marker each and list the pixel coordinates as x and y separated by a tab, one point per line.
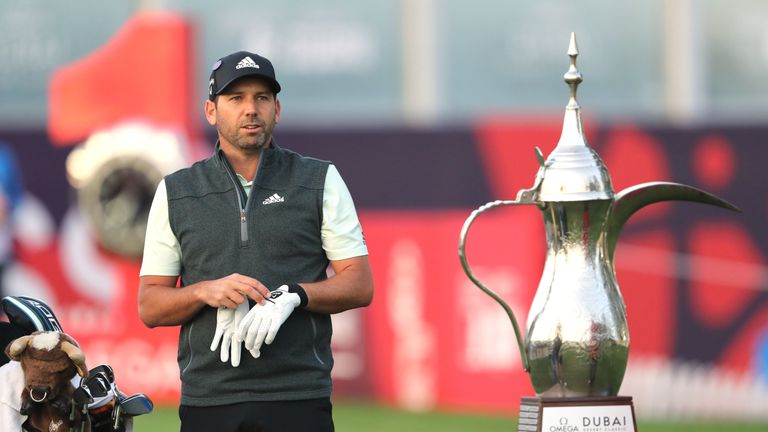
49	360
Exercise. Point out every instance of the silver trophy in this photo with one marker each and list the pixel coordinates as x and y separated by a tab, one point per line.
576	343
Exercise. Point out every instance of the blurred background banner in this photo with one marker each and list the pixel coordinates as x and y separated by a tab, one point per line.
429	108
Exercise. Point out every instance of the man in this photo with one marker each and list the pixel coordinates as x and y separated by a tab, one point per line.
253	221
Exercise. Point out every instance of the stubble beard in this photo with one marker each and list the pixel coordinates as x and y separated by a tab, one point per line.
262	141
247	144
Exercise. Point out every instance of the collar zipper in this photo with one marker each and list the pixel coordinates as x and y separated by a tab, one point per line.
243	200
243	226
242	204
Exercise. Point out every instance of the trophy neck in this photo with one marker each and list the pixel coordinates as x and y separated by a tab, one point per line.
576	230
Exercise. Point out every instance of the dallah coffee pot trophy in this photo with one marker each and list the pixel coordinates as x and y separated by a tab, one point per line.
576	343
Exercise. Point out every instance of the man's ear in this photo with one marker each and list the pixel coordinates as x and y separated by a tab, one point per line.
210	112
277	110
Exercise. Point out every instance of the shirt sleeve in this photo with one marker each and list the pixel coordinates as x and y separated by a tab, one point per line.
341	232
162	252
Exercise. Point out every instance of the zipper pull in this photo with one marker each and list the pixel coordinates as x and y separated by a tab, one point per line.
243	227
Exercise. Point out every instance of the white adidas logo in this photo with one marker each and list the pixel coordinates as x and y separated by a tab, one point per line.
275	198
247	62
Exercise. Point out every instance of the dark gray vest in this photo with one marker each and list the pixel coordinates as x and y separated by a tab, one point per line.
272	235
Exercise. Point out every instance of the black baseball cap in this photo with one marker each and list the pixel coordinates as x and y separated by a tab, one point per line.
237	65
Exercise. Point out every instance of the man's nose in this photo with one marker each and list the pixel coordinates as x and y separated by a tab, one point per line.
251	107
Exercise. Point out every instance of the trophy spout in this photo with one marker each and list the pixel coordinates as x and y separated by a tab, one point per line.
476	281
634	198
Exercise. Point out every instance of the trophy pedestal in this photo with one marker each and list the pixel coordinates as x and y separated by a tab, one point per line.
582	414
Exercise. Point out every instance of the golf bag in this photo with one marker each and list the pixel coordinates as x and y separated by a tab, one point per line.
109	409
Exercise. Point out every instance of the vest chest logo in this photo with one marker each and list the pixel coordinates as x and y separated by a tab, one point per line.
275	198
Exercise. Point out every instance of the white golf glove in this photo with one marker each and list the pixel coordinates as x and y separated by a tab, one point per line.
227	321
262	322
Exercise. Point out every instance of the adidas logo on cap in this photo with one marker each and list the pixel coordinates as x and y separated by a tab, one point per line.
247	62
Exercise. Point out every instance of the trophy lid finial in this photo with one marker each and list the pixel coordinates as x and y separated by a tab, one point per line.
573	77
573	171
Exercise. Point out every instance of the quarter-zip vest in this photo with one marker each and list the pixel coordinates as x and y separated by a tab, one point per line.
273	235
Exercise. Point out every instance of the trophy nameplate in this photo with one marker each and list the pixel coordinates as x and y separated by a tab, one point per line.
577	414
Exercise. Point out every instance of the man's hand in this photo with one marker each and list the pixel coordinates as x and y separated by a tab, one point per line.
262	322
162	303
227	291
227	321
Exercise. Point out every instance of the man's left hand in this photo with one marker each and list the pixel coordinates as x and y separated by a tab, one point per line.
262	322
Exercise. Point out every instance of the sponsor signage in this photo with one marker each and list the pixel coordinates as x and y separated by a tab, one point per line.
608	418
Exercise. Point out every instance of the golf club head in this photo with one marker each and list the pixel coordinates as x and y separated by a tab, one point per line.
104	398
106	370
136	405
97	384
82	395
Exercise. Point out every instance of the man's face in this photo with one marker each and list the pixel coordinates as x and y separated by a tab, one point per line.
244	115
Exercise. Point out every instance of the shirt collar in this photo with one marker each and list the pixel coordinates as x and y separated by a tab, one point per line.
266	156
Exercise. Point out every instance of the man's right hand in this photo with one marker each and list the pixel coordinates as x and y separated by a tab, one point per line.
228	291
163	303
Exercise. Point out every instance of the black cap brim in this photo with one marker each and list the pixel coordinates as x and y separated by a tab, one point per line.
273	84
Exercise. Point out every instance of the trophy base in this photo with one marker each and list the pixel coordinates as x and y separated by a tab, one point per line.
577	414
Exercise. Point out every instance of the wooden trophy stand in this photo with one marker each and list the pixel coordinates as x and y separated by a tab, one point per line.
577	414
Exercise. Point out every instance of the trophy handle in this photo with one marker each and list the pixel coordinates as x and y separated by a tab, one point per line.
468	271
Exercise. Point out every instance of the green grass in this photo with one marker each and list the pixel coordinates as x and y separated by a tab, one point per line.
371	417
